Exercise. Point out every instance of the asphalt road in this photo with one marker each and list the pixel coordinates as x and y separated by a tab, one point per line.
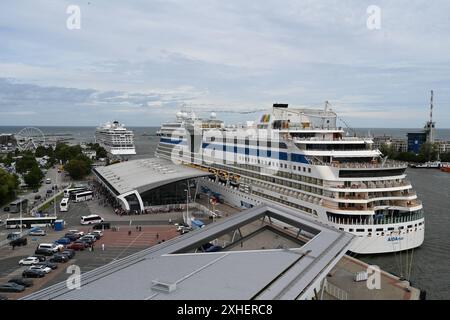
56	178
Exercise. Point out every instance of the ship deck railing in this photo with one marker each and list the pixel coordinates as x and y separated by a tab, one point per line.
362	165
372	205
295	139
371	185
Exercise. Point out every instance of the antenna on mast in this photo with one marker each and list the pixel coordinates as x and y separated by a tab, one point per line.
430	124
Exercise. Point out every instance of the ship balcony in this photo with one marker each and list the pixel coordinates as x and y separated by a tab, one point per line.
375	195
343	139
389	164
369	185
371	206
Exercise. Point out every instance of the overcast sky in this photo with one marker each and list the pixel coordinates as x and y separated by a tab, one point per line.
140	61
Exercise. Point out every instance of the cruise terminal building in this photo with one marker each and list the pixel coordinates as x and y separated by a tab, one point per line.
148	182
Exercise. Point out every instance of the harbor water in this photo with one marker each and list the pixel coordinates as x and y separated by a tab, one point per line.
430	267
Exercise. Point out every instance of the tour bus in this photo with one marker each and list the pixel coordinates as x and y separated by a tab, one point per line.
91	219
18	206
30	222
83	196
71	191
64	205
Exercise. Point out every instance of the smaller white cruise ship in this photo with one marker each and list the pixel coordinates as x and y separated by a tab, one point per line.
116	139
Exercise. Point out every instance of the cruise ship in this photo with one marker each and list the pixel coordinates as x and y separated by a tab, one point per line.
116	139
298	157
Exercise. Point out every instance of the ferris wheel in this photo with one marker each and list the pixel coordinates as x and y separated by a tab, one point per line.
30	138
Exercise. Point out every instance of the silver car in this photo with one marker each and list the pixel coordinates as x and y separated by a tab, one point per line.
37	233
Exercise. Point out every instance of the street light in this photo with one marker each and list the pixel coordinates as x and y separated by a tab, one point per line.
187	207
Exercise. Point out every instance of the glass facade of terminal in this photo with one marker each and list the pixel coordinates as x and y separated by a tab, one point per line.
173	193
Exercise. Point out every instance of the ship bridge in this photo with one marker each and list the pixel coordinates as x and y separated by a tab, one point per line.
140	183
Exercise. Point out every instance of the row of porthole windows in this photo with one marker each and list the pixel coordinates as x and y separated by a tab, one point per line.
382	230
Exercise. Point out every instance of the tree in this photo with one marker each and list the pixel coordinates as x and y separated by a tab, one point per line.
389	151
99	150
33	177
445	157
407	156
77	169
8	159
44	151
428	152
65	153
26	163
9	183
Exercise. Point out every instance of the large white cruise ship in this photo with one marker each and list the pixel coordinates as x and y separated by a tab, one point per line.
300	158
116	139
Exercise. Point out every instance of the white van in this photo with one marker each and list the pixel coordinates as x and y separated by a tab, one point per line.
91	219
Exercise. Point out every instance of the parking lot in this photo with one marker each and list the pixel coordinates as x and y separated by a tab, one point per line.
128	234
116	244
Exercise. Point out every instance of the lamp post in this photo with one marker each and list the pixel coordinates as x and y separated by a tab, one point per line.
187	206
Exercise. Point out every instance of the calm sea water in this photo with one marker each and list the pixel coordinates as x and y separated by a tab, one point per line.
430	263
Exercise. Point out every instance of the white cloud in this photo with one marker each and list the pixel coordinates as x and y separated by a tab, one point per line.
235	55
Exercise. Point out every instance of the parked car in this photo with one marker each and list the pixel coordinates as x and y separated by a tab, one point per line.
70	253
71	236
44	251
13	235
88	239
102	226
49	191
76	232
37	197
85	243
11	287
22	282
36	190
48	181
99	232
33	273
63	241
38	232
40	267
28	261
48	264
60	247
96	235
50	246
6	209
40	257
58	257
19	242
77	245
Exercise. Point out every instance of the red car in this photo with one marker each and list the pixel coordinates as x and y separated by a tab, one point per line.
76	246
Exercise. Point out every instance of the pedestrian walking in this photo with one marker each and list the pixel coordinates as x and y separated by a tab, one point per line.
140	228
129	232
92	247
103	247
157	236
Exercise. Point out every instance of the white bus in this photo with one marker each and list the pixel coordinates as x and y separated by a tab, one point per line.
30	222
64	205
83	196
71	191
91	219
